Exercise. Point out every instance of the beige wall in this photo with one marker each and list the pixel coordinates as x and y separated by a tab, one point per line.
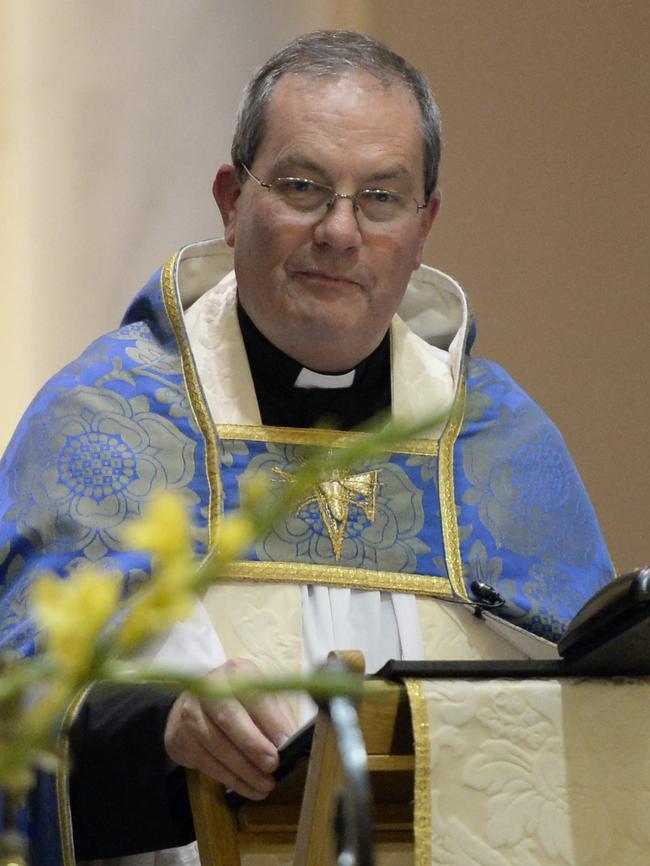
545	188
115	115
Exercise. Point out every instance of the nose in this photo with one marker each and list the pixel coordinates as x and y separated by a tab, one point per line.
339	228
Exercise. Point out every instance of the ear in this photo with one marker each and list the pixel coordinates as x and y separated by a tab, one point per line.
226	190
428	216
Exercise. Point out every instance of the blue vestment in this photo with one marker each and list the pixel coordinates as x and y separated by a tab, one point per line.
499	500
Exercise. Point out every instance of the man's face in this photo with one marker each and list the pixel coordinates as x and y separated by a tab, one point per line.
324	290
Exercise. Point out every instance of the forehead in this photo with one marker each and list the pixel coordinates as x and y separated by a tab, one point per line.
351	122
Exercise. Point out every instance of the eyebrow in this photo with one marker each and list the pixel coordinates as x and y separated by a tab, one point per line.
299	162
390	174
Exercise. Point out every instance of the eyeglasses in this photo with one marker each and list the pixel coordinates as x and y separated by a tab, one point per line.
308	197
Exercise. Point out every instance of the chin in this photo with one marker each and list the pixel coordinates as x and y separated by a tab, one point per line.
323	329
332	310
329	347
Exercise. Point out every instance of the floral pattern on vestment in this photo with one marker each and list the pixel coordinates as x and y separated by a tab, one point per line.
396	540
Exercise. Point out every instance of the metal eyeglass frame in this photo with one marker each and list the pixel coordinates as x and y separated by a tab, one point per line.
353	197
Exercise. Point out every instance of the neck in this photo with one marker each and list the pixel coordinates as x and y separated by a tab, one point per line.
316	350
288	398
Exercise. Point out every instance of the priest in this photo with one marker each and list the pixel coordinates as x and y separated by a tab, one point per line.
312	316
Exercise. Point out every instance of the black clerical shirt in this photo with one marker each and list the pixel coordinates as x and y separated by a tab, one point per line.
124	798
282	404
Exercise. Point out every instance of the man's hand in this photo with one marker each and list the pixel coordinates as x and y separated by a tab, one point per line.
236	745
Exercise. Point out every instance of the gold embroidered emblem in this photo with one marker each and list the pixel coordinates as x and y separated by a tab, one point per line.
334	498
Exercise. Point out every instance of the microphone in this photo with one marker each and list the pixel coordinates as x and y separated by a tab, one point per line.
486	595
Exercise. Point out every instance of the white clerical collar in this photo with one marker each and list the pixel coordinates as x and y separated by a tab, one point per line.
311	379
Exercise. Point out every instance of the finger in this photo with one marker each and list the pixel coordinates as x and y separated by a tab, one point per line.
183	731
235	723
274	717
192	740
221	772
220	747
271	712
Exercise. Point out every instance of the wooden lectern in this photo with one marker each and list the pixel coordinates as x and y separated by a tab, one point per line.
300	811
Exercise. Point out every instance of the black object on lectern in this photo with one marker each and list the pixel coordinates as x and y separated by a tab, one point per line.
611	632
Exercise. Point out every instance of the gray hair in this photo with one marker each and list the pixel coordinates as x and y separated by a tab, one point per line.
334	52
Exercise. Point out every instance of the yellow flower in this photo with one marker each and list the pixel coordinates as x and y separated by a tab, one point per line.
73	612
234	535
254	491
15	778
163	529
168	597
50	705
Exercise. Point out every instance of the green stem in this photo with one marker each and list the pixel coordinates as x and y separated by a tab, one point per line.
321	684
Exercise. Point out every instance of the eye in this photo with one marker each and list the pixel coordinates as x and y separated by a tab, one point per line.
381	205
300	193
381	196
298	185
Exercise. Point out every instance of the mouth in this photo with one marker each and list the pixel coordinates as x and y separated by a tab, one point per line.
325	278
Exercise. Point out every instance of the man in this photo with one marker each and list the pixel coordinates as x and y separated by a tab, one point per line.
215	376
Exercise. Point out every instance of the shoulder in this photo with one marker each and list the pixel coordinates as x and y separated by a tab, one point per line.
115	369
492	393
98	439
516	455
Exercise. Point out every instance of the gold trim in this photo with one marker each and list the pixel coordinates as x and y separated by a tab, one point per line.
448	513
335	575
422	777
195	393
320	438
62	788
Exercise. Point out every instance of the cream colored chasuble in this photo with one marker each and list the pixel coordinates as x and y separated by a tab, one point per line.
289	626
